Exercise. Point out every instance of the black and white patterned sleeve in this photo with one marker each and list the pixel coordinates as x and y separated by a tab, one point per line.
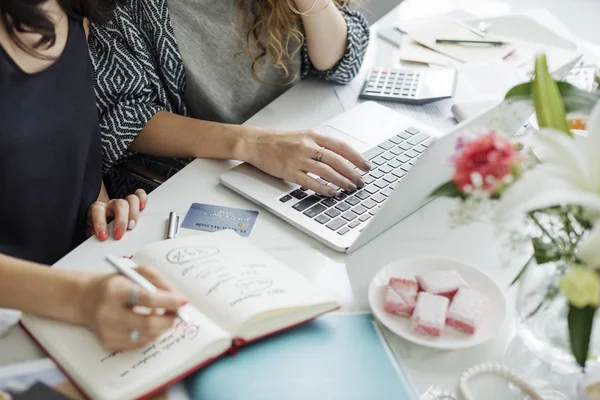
129	87
349	65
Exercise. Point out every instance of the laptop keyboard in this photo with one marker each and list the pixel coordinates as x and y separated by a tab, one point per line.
390	162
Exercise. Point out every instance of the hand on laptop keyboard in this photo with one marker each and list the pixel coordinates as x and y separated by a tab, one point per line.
292	155
352	209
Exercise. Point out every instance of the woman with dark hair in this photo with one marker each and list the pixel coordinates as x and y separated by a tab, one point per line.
50	178
159	62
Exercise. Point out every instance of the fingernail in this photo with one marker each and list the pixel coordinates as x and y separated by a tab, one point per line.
367	166
102	235
142	205
352	187
119	233
182	299
131	224
332	193
360	183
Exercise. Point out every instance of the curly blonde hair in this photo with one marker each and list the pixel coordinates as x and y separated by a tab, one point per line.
275	34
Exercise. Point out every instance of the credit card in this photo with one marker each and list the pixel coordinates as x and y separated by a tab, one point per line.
211	218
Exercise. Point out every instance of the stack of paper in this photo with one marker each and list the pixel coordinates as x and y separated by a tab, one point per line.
446	28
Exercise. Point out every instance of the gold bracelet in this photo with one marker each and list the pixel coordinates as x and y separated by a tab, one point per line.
296	11
321	10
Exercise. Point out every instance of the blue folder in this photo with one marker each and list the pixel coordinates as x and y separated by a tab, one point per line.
336	357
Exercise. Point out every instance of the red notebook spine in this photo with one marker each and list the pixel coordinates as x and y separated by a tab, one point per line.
239	342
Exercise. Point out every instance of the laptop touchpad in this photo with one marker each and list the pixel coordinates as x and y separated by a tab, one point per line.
348	139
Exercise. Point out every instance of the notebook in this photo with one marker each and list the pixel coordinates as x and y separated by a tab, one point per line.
336	357
237	294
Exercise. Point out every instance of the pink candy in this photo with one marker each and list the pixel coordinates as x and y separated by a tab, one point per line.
401	296
466	310
443	283
429	316
434	300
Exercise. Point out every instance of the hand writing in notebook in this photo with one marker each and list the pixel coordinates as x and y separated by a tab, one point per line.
105	309
237	294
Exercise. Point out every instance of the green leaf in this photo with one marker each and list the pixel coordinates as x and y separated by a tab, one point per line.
574	99
544	252
548	104
448	189
580	321
522	91
523	270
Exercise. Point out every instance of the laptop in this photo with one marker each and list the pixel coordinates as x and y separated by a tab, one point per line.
409	161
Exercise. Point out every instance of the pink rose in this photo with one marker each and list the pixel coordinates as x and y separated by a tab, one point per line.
485	163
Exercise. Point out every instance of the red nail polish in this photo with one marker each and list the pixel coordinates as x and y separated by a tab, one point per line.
119	233
184	302
102	235
142	205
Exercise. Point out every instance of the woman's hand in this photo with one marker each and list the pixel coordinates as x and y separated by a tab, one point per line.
291	155
125	213
105	309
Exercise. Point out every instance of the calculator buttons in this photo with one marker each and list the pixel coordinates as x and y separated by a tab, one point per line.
396	84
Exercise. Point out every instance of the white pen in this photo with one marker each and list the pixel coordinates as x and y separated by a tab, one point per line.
130	273
173	225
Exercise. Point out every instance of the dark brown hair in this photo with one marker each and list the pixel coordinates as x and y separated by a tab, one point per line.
19	16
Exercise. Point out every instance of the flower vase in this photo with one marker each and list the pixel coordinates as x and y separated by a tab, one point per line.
542	329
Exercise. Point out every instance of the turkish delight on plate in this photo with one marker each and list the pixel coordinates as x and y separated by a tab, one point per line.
401	296
429	317
467	310
443	283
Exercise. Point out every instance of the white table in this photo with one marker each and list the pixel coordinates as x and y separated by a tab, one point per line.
425	232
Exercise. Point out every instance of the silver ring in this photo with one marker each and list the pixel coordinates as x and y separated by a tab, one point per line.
320	152
134	336
133	299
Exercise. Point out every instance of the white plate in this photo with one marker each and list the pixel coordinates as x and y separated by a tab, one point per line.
450	338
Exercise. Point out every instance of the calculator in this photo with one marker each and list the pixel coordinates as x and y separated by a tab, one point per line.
409	85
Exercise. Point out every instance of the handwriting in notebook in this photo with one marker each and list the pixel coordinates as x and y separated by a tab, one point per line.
179	335
236	283
186	254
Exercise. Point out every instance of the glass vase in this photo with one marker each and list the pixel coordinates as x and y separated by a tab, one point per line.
542	329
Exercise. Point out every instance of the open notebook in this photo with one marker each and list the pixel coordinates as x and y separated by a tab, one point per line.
237	294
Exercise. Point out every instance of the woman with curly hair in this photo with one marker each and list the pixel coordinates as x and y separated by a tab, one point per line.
176	78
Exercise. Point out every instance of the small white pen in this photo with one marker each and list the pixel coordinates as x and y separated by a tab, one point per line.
131	274
173	225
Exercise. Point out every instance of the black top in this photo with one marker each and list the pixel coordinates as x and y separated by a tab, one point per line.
50	157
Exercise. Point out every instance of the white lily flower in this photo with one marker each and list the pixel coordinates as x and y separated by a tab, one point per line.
589	248
568	175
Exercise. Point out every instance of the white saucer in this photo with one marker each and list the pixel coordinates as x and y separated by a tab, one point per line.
450	338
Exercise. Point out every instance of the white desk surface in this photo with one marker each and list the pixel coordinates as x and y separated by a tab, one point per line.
425	232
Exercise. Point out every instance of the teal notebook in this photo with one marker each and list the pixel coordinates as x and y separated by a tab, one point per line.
335	357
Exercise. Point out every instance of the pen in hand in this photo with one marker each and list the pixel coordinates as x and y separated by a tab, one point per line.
131	274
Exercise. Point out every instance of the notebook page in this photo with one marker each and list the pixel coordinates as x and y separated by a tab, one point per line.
120	375
230	280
